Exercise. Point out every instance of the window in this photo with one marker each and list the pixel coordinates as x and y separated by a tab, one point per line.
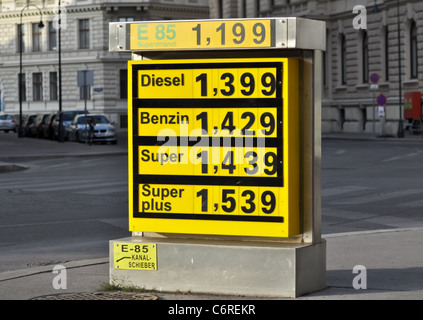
123	19
84	34
123	78
343	60
244	8
22	85
365	57
220	9
37	86
386	48
413	51
53	86
21	38
52	37
36	37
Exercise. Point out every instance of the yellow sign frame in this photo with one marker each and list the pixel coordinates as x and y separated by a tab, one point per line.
287	187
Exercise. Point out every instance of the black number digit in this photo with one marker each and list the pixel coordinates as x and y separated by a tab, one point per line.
267	120
249	124
222	35
252	162
228	122
228	83
203	117
198	30
273	163
204	161
268	80
240	34
202	78
248	84
260	32
249	201
204	199
231	200
271	203
228	162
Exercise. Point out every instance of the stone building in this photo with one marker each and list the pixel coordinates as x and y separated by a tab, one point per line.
84	46
362	39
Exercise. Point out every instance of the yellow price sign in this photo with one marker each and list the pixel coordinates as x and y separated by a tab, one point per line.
209	34
249	122
214	143
237	202
210	161
210	83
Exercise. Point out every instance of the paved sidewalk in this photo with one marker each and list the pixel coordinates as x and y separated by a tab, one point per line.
393	258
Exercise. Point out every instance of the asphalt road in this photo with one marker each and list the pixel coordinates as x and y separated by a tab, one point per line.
62	210
68	209
370	185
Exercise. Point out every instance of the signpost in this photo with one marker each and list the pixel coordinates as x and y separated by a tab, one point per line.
223	156
374	79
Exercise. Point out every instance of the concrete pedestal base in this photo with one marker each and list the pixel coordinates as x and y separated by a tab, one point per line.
229	267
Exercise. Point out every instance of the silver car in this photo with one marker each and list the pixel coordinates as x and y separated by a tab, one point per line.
7	122
102	130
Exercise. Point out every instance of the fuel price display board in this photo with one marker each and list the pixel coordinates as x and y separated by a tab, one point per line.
214	146
217	34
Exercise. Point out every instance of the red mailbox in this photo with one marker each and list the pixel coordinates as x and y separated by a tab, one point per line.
412	105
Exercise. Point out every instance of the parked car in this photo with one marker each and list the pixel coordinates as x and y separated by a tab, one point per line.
27	123
48	132
67	117
104	131
36	128
7	122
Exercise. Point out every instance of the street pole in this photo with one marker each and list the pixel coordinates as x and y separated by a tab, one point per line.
374	112
60	133
20	129
400	133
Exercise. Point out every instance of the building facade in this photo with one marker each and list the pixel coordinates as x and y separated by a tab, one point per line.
362	39
84	47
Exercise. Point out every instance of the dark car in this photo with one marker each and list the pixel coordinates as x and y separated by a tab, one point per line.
67	117
48	132
36	128
27	124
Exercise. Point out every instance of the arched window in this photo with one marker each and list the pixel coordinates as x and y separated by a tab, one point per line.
413	51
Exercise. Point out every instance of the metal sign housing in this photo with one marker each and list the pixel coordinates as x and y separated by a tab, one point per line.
177	35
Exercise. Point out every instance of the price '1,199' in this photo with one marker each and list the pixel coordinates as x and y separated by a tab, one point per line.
238	34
